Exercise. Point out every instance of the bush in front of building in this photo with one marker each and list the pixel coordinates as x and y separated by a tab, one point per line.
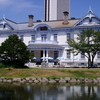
13	52
2	65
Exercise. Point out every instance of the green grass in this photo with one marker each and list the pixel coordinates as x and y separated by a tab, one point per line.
51	73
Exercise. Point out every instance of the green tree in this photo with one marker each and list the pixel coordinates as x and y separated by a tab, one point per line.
87	43
14	51
31	55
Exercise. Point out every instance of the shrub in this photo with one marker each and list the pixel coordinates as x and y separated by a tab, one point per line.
2	65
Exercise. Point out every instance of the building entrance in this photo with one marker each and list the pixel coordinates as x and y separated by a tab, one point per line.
55	54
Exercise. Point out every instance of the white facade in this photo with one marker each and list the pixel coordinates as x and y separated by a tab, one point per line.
49	39
53	9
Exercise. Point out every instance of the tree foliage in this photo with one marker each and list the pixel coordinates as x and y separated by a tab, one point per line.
87	43
14	51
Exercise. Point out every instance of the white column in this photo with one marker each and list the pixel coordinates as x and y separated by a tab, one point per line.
47	55
59	53
43	53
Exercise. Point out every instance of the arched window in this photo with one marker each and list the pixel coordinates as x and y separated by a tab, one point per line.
44	28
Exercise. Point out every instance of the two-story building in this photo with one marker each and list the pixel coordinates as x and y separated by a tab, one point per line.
49	38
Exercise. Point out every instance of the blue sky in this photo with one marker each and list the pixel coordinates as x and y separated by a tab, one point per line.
18	10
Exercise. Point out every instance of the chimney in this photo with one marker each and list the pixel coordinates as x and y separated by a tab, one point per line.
65	17
30	24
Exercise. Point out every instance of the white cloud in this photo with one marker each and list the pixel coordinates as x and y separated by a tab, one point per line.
5	2
17	5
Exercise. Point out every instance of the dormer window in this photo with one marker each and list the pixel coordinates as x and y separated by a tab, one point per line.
44	28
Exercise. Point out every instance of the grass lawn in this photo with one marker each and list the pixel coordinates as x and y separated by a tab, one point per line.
50	73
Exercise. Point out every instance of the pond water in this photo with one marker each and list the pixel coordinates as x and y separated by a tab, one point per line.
49	92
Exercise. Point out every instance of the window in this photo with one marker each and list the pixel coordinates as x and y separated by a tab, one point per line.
33	37
68	36
22	37
81	32
4	26
44	28
55	37
98	54
90	20
82	55
68	54
43	37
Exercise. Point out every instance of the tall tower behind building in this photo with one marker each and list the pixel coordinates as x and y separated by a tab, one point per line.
53	9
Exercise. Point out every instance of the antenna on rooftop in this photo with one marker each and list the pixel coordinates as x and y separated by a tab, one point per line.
89	7
90	10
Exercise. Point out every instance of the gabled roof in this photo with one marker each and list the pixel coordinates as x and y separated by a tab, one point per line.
24	26
89	19
12	24
4	25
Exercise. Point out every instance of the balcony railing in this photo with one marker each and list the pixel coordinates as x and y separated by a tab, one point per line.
43	42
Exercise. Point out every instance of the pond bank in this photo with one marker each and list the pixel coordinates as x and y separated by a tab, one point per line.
46	80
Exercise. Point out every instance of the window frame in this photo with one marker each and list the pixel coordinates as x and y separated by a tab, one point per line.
68	54
32	37
68	36
22	37
55	37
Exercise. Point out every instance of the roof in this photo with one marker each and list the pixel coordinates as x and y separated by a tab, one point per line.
90	19
51	24
45	46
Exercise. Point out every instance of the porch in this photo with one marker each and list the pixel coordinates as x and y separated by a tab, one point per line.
46	50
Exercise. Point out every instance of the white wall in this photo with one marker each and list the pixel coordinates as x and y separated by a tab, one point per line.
62	38
3	37
27	38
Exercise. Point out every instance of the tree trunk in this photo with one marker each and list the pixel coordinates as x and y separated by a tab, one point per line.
92	61
89	63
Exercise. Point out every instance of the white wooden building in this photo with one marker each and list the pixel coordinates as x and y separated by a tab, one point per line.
49	38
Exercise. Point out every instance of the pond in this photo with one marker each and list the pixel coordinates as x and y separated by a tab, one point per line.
49	92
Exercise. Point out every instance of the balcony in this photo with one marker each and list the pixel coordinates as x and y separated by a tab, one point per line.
43	42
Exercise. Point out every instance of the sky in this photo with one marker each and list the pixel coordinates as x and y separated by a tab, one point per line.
18	10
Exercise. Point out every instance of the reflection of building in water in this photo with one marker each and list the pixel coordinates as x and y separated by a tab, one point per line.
63	92
49	92
70	91
46	93
98	91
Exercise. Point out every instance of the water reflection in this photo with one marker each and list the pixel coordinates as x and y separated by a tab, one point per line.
49	92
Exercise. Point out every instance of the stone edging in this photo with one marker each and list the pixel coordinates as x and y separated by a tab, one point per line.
45	80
